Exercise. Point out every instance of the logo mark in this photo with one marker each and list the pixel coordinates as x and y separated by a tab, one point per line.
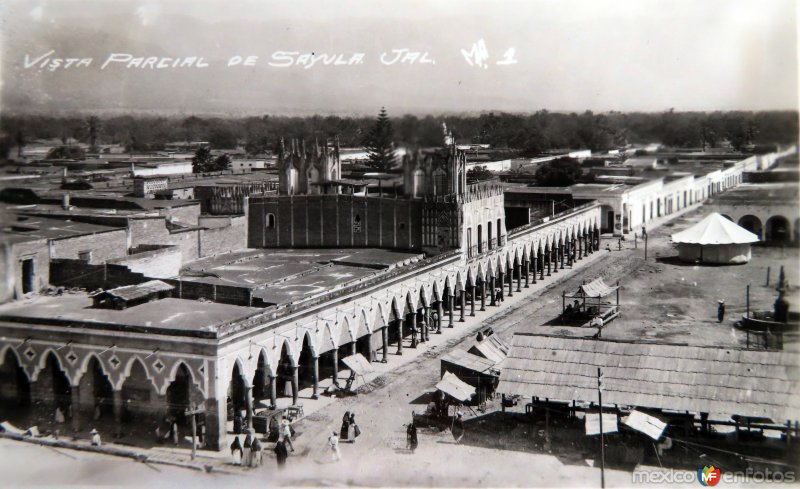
708	475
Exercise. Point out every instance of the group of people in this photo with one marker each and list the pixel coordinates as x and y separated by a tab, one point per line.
350	430
249	454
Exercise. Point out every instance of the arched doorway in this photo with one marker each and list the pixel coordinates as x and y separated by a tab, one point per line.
606	219
752	224
136	395
15	390
365	348
237	398
179	397
260	380
285	372
305	373
96	392
56	391
777	230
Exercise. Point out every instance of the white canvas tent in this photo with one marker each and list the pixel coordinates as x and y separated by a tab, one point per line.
715	239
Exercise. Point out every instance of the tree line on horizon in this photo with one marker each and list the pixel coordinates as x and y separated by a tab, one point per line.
526	134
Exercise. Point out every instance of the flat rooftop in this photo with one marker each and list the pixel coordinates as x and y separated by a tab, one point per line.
34	228
166	316
281	276
761	193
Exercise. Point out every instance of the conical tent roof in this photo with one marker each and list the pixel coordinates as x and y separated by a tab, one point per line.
715	230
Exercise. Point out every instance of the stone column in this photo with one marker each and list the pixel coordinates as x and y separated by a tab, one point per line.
483	294
568	249
463	299
295	384
534	265
399	336
500	282
563	251
354	347
450	311
216	417
248	404
423	325
413	327
511	282
118	405
385	342
315	393
579	250
426	323
526	266
75	407
518	271
548	256
554	258
472	302
440	314
492	294
273	392
541	269
335	376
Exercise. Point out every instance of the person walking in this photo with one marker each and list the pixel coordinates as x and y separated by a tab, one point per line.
247	451
236	451
281	453
286	431
720	310
95	438
353	430
344	431
255	452
411	435
458	428
333	443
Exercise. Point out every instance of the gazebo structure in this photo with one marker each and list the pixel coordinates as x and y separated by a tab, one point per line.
714	240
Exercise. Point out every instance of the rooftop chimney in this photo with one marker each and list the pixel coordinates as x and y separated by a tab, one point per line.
65	202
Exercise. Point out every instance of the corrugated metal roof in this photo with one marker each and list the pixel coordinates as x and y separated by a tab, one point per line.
656	375
469	361
131	292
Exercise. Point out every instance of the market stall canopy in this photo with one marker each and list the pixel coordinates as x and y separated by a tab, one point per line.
715	230
593	423
455	387
596	288
649	425
358	364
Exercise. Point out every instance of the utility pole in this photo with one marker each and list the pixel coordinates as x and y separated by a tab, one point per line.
192	412
602	448
645	246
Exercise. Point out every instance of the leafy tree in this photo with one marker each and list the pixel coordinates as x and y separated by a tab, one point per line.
222	162
561	172
66	152
93	127
478	173
380	144
202	161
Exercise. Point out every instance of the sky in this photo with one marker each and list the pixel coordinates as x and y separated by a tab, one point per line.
253	57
